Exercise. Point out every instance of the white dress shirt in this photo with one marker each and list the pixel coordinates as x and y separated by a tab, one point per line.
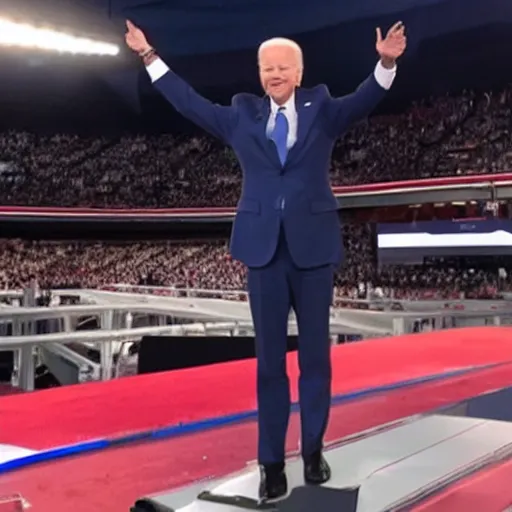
383	76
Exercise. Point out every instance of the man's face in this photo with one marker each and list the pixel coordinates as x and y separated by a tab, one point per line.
279	72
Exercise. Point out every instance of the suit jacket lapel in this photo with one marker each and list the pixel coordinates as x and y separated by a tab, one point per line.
266	145
306	111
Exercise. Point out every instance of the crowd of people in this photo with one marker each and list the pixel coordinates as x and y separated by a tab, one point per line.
96	264
444	136
208	266
451	135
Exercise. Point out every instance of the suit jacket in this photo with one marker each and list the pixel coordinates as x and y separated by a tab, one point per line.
296	196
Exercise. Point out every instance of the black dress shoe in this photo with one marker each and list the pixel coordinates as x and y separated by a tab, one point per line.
316	469
273	483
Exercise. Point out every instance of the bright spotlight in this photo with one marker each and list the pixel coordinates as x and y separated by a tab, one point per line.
27	36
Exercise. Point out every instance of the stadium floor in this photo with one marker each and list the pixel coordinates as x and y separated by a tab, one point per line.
113	478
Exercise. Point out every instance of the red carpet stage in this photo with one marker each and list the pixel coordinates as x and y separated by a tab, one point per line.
76	413
487	490
189	426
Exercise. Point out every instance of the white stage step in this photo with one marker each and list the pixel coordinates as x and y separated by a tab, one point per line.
389	468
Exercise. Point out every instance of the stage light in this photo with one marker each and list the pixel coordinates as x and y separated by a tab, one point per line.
27	36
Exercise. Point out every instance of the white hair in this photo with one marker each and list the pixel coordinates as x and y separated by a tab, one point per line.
280	42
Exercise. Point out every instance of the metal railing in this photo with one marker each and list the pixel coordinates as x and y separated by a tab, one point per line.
115	327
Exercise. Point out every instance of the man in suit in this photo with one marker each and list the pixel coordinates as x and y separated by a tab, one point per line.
287	228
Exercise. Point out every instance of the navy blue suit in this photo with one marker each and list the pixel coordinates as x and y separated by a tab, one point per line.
287	232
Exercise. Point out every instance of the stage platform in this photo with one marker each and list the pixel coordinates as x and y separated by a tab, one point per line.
101	446
394	467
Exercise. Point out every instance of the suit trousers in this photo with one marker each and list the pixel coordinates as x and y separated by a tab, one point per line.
274	290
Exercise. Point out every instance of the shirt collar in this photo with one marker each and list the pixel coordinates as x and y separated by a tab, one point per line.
289	105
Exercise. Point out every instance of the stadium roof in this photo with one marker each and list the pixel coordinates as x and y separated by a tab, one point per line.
211	26
451	43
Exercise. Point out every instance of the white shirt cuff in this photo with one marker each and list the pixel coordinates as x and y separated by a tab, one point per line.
157	69
384	77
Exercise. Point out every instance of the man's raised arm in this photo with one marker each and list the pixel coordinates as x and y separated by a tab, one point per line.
218	120
344	111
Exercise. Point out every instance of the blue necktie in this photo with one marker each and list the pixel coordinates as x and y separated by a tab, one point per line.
280	135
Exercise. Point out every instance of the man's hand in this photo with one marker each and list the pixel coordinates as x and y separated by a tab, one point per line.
135	39
393	46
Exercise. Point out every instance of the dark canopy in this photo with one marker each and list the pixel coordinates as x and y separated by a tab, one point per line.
451	44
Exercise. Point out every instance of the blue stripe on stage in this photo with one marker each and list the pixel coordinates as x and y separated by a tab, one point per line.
211	423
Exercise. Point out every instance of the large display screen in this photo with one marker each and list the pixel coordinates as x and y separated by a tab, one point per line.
415	241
